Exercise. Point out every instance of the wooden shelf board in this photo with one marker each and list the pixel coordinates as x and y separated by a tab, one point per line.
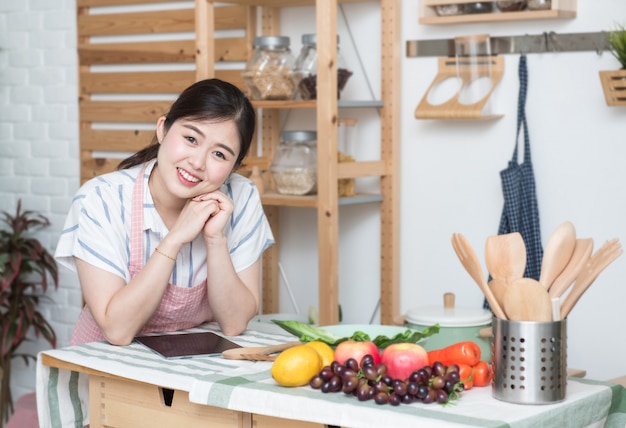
478	118
310	201
502	16
280	104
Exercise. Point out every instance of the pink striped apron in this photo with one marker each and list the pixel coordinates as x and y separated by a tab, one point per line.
180	308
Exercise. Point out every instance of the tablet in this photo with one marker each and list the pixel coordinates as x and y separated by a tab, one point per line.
186	345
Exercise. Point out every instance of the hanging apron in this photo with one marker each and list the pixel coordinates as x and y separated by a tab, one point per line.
180	307
521	212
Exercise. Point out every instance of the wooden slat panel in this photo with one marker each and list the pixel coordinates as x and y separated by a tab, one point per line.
89	168
180	51
270	3
153	82
87	3
123	111
114	140
162	21
148	82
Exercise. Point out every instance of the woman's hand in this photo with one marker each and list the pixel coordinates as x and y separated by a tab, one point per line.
223	208
193	218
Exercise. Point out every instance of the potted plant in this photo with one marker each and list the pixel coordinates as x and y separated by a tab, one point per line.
26	269
614	81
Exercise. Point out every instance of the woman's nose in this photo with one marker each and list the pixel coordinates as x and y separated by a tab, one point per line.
197	159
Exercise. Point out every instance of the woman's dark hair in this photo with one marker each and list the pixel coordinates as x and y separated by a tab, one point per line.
210	99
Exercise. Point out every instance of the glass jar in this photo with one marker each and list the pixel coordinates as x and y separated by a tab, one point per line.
511	5
479	7
267	71
294	165
450	9
304	74
539	4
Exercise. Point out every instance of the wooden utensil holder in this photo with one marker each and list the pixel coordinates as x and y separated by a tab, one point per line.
467	70
614	87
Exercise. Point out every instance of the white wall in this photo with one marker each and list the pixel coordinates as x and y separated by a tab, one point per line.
449	170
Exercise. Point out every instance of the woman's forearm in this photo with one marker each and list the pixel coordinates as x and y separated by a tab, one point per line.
233	297
122	312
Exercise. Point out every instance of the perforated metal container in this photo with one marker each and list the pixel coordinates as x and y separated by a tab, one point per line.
529	361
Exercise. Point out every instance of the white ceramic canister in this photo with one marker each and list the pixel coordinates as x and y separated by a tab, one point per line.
457	324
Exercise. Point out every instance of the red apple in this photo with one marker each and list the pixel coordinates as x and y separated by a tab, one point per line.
402	359
356	350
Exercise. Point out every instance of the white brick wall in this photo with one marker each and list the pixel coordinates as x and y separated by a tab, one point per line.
39	140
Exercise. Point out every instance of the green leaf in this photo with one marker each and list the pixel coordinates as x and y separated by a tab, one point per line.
309	333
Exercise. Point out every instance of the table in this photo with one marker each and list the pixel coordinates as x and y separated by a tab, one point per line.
131	386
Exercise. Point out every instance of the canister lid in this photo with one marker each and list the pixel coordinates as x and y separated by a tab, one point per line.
269	41
311	39
299	136
455	317
449	315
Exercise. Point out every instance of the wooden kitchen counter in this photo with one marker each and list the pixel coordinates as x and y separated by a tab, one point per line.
131	386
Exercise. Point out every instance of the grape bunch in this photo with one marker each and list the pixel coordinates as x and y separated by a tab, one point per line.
369	381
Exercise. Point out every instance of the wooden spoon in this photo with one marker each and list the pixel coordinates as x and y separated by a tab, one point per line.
580	256
498	287
527	300
597	263
257	353
505	256
557	253
470	262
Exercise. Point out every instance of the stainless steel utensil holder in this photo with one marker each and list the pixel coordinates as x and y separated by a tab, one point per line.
529	361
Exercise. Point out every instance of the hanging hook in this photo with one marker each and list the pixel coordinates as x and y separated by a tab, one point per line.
555	42
525	48
600	47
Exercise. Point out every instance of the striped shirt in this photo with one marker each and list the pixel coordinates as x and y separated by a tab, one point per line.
97	228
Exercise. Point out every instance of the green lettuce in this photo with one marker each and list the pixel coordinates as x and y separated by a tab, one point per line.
310	333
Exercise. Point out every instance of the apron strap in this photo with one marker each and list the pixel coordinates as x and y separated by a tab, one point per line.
136	231
521	111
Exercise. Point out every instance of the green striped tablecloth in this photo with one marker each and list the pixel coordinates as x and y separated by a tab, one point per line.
248	386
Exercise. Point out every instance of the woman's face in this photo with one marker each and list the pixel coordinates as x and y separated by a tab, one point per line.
196	157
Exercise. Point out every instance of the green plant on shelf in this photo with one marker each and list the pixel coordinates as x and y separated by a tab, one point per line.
617	44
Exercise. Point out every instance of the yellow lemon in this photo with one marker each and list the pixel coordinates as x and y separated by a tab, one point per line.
326	352
296	366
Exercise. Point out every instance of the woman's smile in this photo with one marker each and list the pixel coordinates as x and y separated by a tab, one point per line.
187	178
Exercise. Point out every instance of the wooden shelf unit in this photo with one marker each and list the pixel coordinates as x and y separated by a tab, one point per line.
118	109
327	201
560	9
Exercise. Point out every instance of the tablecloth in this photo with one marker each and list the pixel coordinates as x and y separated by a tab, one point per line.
248	386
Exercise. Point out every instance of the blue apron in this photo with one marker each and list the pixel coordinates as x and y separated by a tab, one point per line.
521	212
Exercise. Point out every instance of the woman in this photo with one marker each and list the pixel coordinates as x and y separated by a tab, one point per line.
173	238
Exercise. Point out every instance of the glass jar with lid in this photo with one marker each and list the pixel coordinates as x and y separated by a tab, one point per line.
539	4
267	72
479	7
511	5
294	165
304	74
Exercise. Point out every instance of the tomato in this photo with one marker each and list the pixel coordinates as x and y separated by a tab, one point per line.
482	374
465	372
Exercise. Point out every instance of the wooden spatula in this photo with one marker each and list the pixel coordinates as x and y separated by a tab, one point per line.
257	353
527	300
470	262
580	256
557	253
606	255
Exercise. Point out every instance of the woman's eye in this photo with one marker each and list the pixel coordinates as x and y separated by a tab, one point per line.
192	140
220	155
